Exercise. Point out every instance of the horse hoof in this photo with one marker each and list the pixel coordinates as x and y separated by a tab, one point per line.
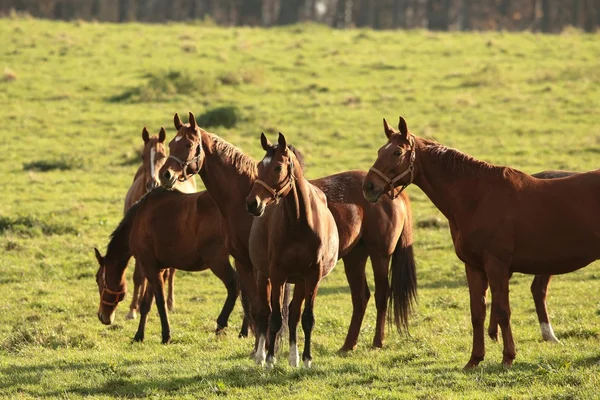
170	307
493	335
344	350
166	340
242	335
131	315
220	330
307	363
270	363
507	364
138	338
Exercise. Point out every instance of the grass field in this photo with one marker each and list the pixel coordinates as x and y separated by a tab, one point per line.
74	98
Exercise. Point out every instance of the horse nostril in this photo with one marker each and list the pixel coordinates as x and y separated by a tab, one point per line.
370	186
167	174
251	205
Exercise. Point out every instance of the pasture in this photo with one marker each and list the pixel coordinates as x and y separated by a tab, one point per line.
74	98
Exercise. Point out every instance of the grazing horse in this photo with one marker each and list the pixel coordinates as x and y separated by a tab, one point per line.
295	242
165	228
539	286
146	179
501	220
381	232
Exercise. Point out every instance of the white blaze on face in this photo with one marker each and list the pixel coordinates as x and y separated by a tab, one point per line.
388	146
152	156
266	161
178	138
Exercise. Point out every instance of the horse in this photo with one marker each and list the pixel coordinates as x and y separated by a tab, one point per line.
539	286
381	232
501	220
146	179
165	228
296	241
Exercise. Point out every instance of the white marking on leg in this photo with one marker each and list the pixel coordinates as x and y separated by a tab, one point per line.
307	363
294	357
260	351
548	332
266	161
270	362
152	155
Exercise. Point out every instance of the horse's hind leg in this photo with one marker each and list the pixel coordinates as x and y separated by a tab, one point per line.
139	288
477	281
275	319
223	270
293	320
539	290
145	305
156	280
308	317
262	320
171	295
380	273
354	267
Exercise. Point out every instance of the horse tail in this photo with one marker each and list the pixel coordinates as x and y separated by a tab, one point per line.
285	314
403	276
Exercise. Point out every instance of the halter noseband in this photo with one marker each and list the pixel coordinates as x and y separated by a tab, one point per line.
410	170
184	164
278	194
118	297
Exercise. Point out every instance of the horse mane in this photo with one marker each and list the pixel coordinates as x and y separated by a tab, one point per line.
297	153
232	155
454	161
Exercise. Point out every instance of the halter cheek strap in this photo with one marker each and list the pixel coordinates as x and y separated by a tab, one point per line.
184	164
119	296
278	194
392	182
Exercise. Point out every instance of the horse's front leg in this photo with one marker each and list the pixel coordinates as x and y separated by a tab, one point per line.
498	276
275	319
477	281
156	280
308	316
262	323
293	320
171	295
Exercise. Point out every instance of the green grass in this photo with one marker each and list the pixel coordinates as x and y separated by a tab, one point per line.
74	99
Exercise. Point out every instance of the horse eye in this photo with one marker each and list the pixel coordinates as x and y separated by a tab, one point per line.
398	153
278	168
189	145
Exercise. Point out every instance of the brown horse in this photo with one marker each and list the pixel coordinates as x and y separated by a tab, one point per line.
295	242
539	286
501	220
381	232
146	179
165	228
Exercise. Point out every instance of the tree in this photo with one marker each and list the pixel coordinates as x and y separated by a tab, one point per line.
250	12
437	15
289	11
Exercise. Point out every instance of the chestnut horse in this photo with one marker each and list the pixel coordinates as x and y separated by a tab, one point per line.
539	286
165	228
295	242
501	220
381	232
146	179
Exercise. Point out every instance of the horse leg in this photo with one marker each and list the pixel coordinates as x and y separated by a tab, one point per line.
146	304
158	286
498	276
354	267
262	322
246	308
248	283
477	282
308	316
275	319
223	270
539	290
139	286
171	295
380	273
293	320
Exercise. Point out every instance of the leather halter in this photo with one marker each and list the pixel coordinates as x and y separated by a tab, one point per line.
184	164
278	194
410	170
118	297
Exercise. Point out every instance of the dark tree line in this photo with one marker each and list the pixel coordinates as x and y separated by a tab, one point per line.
442	15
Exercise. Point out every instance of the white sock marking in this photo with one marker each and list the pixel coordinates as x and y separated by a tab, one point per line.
548	332
260	352
294	358
307	363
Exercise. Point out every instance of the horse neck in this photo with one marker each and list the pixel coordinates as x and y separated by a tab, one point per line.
297	202
227	183
450	190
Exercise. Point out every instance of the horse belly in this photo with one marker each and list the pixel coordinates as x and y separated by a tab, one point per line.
348	219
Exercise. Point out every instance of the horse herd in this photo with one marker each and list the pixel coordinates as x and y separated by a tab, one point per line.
281	228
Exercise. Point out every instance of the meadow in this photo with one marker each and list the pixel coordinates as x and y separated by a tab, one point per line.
74	98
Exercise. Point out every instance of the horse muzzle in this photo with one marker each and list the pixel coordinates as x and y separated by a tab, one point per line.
255	208
370	192
168	179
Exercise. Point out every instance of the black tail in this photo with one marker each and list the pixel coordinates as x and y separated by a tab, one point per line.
403	275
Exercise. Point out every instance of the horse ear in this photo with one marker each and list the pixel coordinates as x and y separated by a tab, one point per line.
192	121
402	127
99	256
145	135
162	135
177	122
281	140
266	144
389	131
